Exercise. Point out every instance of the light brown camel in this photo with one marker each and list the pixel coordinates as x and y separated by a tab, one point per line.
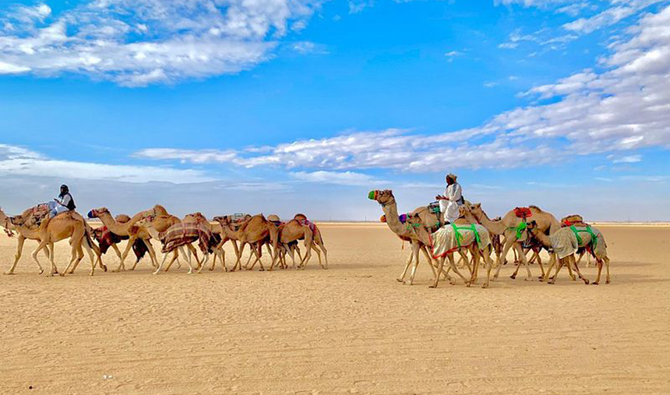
289	233
67	225
130	229
428	219
254	231
317	241
514	230
24	232
568	261
467	235
389	206
215	229
161	223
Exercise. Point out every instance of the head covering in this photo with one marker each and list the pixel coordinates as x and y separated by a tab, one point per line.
274	218
452	176
64	190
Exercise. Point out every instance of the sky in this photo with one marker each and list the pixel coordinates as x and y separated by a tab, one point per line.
287	106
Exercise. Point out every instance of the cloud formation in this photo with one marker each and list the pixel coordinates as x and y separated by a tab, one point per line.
18	161
153	41
621	109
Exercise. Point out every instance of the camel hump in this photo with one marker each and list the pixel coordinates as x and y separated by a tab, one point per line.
122	218
535	208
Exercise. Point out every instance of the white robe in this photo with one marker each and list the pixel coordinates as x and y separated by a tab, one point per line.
449	208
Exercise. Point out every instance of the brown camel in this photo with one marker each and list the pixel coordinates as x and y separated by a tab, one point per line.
289	233
255	231
317	241
154	225
67	225
514	229
130	229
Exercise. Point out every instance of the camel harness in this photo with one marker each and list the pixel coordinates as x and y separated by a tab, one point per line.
594	240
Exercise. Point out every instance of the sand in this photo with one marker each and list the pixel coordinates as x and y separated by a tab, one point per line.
350	329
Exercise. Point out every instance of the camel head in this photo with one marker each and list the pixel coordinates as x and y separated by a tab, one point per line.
476	210
223	220
96	213
17	220
384	197
464	212
122	218
300	217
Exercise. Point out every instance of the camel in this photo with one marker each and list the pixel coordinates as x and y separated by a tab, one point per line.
255	231
568	261
67	225
476	239
317	241
154	225
428	219
107	239
288	234
215	229
513	228
130	229
390	208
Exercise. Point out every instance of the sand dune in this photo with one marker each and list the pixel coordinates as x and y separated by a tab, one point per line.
350	329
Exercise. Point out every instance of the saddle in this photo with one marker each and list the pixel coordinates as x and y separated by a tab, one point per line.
523	212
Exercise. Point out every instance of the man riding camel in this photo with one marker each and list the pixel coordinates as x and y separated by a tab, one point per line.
63	203
451	200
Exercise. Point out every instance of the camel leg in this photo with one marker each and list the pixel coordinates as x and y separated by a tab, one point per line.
522	256
54	269
19	252
436	280
489	265
415	254
175	258
152	252
607	270
34	255
560	264
160	267
571	260
129	246
509	242
452	265
572	275
410	259
319	243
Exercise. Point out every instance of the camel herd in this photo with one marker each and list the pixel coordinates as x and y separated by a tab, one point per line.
523	229
175	235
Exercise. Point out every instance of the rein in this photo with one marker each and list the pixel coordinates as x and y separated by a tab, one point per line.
8	231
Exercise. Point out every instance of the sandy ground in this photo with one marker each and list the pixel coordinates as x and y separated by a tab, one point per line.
350	329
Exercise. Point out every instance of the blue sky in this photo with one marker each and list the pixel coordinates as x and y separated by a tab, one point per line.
280	106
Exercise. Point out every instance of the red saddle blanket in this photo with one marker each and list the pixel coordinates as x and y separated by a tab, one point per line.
182	234
523	212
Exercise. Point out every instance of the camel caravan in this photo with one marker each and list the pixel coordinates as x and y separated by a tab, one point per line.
49	223
455	226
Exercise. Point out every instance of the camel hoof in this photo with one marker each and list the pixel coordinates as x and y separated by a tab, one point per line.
400	280
452	282
513	277
11	274
156	272
211	269
485	286
433	286
607	281
528	279
104	268
594	283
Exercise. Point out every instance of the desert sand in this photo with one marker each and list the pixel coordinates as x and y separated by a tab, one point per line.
350	329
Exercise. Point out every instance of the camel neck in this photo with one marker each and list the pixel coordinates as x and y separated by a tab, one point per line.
113	226
495	227
541	237
393	222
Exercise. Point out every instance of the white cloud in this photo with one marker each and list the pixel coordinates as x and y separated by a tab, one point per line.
141	43
308	47
452	54
623	108
17	161
609	16
339	178
625	159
